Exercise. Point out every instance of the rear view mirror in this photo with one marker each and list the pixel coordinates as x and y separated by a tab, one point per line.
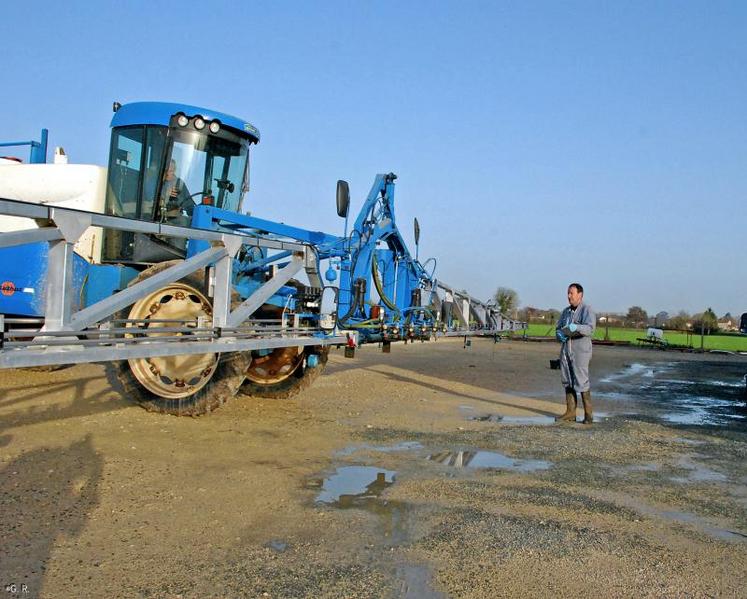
343	198
417	232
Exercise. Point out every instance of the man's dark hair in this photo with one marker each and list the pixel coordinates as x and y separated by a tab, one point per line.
578	286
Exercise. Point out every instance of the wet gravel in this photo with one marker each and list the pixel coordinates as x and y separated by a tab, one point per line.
99	498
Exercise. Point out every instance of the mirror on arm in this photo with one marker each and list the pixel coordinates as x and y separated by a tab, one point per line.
343	198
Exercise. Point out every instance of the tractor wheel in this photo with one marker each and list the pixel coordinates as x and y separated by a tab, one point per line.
185	385
282	373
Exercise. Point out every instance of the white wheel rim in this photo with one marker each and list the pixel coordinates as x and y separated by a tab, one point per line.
172	377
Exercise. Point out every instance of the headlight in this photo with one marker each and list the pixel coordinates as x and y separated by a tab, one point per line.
199	123
182	120
214	127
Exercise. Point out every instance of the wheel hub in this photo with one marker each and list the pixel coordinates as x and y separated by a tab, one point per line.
172	377
276	366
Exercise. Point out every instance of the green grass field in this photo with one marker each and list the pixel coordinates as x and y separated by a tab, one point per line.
723	342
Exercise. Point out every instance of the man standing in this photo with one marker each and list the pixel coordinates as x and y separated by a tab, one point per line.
574	330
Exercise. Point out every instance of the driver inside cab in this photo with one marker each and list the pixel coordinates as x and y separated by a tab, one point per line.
176	202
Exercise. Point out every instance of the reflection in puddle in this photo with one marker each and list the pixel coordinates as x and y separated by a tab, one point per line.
487	459
354	482
359	487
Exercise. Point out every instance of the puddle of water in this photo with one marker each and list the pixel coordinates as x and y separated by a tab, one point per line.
486	418
694	520
543	420
687	393
734	384
487	459
416	583
685	441
403	446
630	371
650	467
359	487
690	518
695	416
277	545
735	416
354	482
698	473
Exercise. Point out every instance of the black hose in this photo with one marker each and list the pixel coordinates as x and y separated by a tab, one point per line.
357	301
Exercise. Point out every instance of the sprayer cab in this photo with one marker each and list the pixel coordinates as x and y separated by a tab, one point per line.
164	160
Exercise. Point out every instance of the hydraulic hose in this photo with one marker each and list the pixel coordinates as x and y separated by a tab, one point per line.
359	295
379	288
423	266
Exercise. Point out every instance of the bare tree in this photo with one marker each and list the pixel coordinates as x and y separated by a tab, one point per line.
679	322
506	299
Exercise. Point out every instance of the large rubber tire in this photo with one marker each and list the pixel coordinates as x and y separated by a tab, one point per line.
227	371
298	380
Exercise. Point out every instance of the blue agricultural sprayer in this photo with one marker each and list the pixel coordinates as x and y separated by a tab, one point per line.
153	264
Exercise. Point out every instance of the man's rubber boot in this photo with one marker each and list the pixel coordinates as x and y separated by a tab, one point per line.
586	398
570	406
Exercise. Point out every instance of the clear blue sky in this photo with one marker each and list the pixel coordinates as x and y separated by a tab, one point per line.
538	143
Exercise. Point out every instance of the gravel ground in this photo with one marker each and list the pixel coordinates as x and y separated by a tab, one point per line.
476	496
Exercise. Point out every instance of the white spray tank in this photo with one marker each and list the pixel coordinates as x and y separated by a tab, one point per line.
77	186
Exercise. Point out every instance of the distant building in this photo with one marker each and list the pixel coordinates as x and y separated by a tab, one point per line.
726	324
614	320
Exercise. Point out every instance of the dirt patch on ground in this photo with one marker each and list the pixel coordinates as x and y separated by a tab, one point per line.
438	472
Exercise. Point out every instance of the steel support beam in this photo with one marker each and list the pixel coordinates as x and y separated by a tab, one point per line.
112	304
223	281
72	354
29	236
58	307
